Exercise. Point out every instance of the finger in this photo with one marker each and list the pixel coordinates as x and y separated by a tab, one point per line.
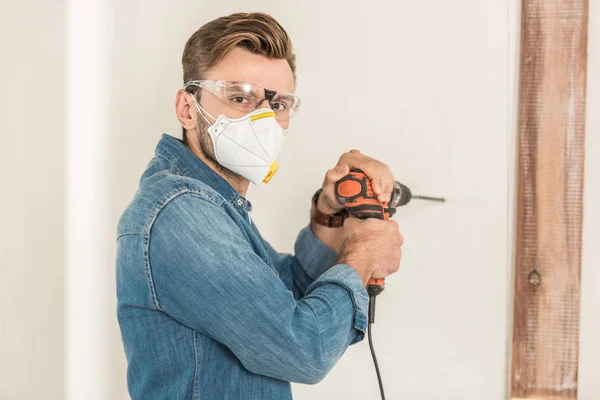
335	174
379	178
379	173
342	170
355	159
330	176
377	184
387	182
371	168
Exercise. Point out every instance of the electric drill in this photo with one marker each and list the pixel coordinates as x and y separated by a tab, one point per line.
355	192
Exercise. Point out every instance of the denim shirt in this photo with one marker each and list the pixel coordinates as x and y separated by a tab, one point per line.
207	308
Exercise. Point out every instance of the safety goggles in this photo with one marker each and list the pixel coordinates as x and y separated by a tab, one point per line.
247	97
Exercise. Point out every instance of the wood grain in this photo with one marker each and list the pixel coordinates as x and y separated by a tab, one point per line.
545	348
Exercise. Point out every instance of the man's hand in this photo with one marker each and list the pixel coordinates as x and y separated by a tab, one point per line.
373	247
379	173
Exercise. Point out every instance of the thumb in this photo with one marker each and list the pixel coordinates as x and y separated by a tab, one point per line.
341	171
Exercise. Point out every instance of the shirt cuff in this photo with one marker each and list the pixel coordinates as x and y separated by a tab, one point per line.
314	255
347	277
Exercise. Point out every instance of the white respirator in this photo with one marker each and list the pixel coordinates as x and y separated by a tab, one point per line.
247	145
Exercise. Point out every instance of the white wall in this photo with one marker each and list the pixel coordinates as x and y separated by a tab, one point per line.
93	353
32	166
428	87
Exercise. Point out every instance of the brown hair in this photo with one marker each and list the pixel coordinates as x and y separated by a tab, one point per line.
257	32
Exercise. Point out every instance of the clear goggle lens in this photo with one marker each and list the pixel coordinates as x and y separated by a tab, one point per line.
246	97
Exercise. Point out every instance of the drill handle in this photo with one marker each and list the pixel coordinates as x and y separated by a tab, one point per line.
375	286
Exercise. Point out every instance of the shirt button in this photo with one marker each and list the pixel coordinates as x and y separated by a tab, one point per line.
240	202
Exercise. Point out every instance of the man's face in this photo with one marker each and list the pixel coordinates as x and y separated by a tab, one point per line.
241	65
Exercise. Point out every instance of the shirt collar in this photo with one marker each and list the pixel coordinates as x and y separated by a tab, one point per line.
189	164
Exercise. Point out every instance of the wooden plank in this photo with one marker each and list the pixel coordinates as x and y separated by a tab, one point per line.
545	347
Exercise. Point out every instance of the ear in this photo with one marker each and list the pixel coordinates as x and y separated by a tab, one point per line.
185	109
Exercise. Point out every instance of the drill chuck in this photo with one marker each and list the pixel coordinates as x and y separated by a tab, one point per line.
401	195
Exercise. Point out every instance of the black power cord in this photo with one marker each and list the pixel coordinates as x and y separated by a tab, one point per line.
371	322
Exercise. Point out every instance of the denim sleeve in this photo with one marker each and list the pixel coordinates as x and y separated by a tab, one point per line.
312	258
206	276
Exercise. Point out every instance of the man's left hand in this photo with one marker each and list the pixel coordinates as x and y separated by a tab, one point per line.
380	174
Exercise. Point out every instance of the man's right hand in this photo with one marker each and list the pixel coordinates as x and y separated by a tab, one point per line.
373	247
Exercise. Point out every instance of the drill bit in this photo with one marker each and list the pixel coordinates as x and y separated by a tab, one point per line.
440	199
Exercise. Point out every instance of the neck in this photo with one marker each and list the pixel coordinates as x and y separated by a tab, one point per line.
239	183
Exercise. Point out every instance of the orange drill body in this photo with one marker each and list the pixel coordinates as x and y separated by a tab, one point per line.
355	192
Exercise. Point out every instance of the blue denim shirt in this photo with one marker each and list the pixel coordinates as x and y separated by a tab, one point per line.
207	308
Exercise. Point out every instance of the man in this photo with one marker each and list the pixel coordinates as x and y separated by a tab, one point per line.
207	308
